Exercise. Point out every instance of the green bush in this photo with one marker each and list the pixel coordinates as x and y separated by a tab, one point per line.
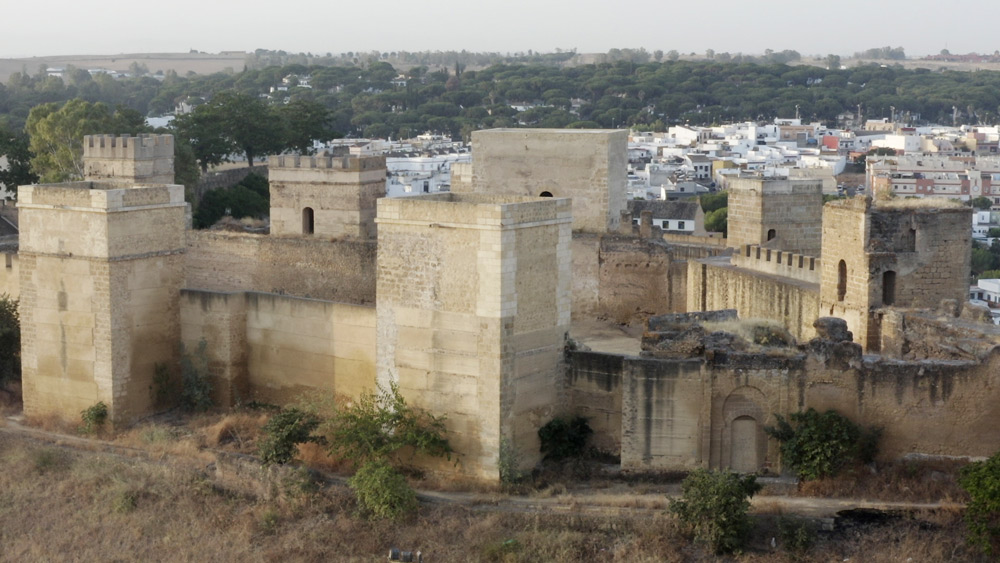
564	437
196	388
817	445
382	491
93	417
982	514
714	505
378	425
284	432
10	340
240	200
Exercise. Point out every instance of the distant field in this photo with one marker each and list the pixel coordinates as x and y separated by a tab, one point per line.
182	63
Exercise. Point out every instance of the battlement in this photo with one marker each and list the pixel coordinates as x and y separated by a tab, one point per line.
778	262
142	147
344	163
765	185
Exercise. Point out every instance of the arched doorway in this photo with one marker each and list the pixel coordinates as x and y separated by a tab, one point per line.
545	194
744	448
307	221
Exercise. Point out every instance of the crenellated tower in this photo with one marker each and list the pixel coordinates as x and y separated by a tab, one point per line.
127	160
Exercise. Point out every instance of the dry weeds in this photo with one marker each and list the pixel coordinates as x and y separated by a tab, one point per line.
911	481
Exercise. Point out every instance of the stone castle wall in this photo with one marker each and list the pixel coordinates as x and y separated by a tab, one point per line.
778	262
341	271
9	273
715	284
680	414
279	349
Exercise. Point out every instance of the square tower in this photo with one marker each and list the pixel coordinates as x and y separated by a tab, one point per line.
472	313
588	165
902	253
101	268
125	160
325	195
776	213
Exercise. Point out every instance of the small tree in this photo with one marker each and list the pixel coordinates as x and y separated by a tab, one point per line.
714	505
284	432
564	437
371	432
982	514
817	445
10	340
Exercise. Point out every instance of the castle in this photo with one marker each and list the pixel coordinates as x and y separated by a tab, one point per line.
468	300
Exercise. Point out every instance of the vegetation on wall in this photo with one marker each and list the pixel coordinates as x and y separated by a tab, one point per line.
982	514
817	445
10	340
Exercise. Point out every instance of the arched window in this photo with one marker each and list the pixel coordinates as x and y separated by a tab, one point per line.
545	194
307	221
841	280
771	233
889	288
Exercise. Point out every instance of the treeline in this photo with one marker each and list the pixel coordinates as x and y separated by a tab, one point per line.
369	100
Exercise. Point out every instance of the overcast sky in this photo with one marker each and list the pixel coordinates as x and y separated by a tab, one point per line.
64	27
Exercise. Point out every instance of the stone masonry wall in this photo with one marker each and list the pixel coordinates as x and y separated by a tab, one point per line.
715	284
473	308
341	271
145	159
276	349
588	166
793	209
9	274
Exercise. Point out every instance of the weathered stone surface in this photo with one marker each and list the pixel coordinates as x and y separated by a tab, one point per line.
832	328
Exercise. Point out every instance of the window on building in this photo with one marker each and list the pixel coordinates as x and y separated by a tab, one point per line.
841	280
680	225
889	288
771	233
307	221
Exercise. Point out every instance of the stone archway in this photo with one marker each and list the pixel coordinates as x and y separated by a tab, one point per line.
743	443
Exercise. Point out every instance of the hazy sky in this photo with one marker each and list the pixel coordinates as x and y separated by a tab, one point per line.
62	27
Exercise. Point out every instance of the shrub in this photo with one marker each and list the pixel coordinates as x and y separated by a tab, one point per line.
378	425
284	432
10	340
564	437
382	491
982	514
817	445
93	417
714	505
196	388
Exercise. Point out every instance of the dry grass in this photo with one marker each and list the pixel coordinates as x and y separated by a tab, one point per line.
910	481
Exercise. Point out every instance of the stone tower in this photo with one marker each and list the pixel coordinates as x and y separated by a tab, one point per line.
588	165
472	313
891	253
125	160
776	213
324	195
101	266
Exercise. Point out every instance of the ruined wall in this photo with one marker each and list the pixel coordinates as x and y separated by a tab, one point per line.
341	271
226	178
588	166
594	391
100	269
325	196
891	254
586	250
473	308
635	278
126	160
710	409
275	348
785	214
715	284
